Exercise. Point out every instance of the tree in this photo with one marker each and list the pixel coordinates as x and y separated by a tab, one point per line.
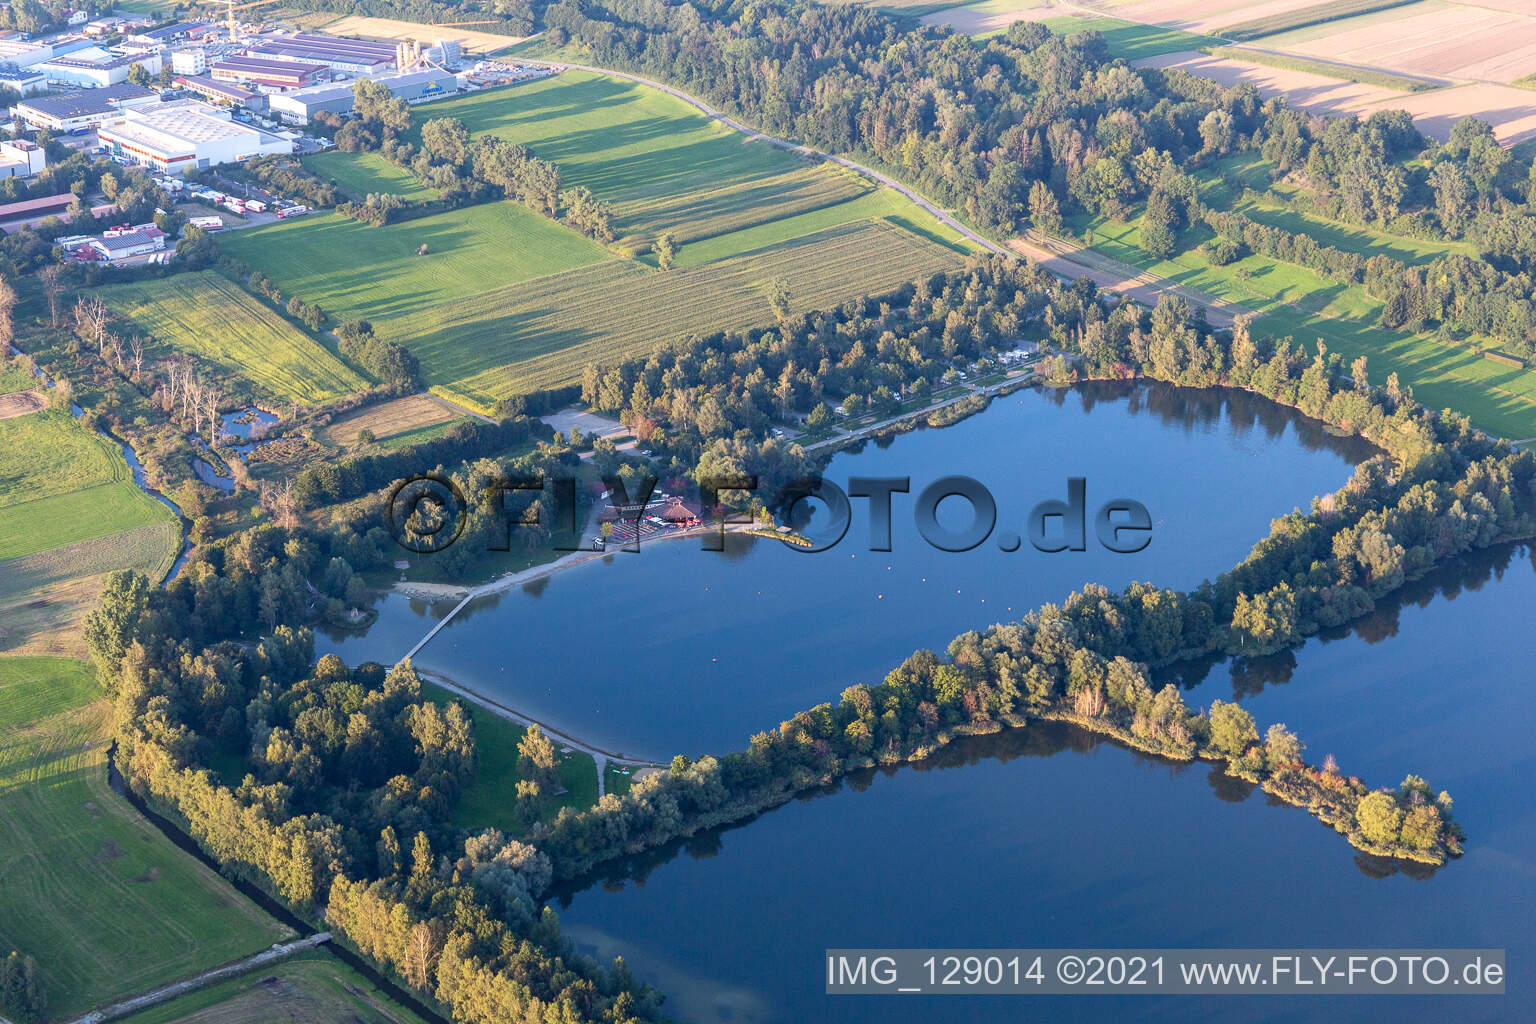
536	759
139	76
113	626
1380	818
1217	132
21	988
52	278
7	311
666	250
445	139
1044	210
1232	728
778	298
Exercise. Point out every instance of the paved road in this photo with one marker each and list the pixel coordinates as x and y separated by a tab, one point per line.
165	992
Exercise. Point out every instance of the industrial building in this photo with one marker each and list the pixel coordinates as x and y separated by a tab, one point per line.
222	92
275	74
300	105
95	67
185	134
21	158
83	109
191	60
353	56
24	80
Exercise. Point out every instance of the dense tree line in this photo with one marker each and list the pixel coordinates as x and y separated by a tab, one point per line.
386	360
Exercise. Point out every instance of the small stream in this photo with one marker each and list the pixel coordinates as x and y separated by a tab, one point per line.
248	429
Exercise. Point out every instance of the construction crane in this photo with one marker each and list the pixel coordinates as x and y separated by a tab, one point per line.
230	7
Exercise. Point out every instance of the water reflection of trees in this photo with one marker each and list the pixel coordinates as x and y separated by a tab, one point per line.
1249	676
1039	739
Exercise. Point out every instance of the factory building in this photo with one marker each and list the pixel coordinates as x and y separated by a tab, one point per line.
353	56
95	67
21	158
222	93
184	134
299	106
86	108
24	80
266	71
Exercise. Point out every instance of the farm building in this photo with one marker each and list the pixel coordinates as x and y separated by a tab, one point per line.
354	56
300	105
185	134
277	74
221	92
83	109
21	158
119	245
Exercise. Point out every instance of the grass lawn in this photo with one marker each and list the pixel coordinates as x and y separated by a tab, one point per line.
61	483
364	173
312	986
208	315
103	901
355	271
1294	301
539	334
492	801
1128	39
663	165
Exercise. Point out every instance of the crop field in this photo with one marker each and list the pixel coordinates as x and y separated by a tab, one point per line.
398	416
212	317
103	901
365	173
354	271
60	483
540	334
663	165
389	28
1294	301
988	17
1432	37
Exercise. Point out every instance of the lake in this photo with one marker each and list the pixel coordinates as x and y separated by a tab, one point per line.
1050	837
675	649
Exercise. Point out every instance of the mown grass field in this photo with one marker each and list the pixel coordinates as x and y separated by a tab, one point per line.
1128	39
359	272
1295	301
210	316
312	987
106	904
365	173
539	334
663	165
492	801
44	595
60	483
409	415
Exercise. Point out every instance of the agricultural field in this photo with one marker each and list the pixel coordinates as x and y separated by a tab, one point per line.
489	319
1294	301
364	173
104	902
408	417
663	165
208	315
312	986
354	271
539	334
61	483
1432	37
44	595
472	41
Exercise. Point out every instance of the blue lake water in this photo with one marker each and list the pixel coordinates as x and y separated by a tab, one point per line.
675	649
